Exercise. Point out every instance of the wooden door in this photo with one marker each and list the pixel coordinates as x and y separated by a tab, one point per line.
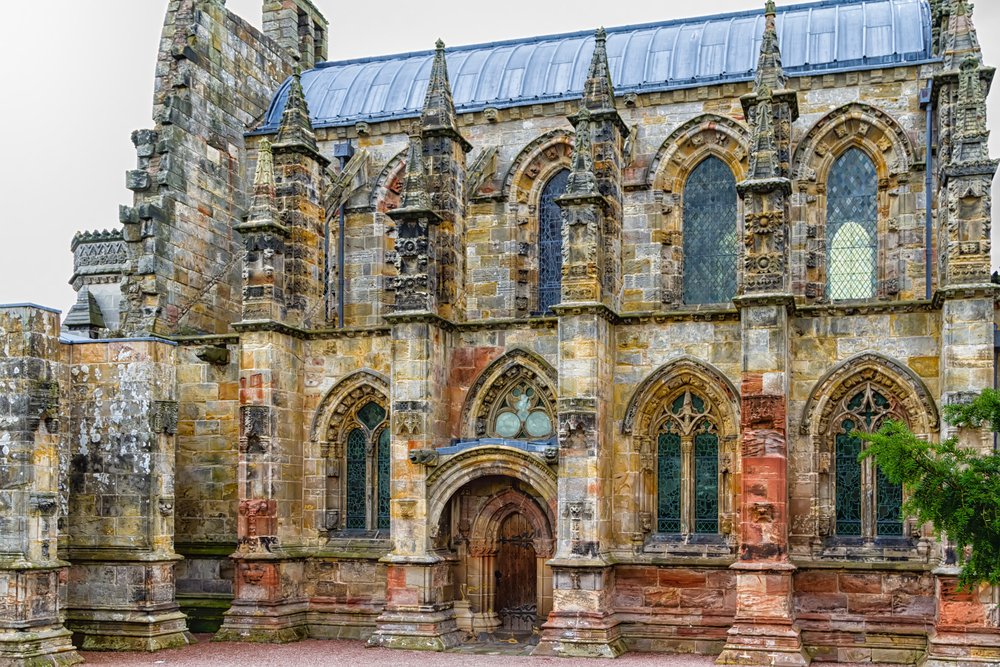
516	590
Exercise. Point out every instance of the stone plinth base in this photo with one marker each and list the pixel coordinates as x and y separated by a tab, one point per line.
38	648
580	635
974	649
764	632
31	632
125	605
264	623
420	628
763	644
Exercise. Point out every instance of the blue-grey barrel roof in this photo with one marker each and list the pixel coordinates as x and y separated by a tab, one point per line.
833	35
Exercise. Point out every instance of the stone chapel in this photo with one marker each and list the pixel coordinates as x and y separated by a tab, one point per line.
566	339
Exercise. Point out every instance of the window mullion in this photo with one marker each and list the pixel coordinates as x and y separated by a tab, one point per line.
687	484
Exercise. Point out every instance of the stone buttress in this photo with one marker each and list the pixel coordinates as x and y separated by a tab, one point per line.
963	633
32	491
419	612
582	622
764	631
283	293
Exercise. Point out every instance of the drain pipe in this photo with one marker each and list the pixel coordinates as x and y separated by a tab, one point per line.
927	101
343	152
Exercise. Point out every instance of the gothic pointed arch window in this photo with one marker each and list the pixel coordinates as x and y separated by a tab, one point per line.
687	473
710	234
522	410
550	243
367	469
851	220
867	505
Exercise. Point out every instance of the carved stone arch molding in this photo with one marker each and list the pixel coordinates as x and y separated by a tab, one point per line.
687	147
900	384
489	461
340	401
890	149
537	162
486	526
908	400
387	190
649	398
496	380
649	408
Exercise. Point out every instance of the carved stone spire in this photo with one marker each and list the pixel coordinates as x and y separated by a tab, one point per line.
959	41
764	160
598	91
438	114
296	128
770	74
971	136
582	181
415	197
263	207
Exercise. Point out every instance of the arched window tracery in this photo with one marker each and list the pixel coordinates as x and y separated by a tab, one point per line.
851	221
367	469
550	242
688	468
710	233
867	504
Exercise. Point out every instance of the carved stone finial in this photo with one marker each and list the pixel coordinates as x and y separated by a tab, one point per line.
769	8
415	197
296	128
598	91
263	206
960	40
438	114
769	71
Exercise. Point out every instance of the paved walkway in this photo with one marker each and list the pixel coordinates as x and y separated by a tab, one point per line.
320	653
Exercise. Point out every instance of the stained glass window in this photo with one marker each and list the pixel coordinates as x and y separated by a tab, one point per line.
851	217
688	469
848	481
367	454
384	476
357	487
550	243
710	234
523	414
867	410
668	518
706	480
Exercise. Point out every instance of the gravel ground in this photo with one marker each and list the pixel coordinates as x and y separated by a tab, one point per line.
320	653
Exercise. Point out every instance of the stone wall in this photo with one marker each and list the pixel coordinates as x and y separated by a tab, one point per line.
215	76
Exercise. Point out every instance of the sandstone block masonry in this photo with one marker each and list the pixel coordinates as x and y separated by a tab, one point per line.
578	368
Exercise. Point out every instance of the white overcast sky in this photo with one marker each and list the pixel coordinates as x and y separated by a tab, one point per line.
77	78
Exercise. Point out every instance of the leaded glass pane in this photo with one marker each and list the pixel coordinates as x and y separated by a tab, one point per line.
371	415
668	484
356	480
888	506
848	479
706	474
384	477
710	228
851	216
550	243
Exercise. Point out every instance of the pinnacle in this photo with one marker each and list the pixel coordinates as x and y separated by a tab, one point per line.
414	185
769	71
263	207
296	128
960	40
582	181
599	92
438	113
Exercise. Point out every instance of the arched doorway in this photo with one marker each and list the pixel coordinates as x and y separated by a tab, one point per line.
501	534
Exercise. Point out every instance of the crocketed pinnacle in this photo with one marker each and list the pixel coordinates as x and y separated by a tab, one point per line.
263	207
598	91
764	162
439	106
582	182
959	40
769	71
971	137
415	196
296	128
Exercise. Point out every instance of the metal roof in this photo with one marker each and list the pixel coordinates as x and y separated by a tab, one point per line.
818	37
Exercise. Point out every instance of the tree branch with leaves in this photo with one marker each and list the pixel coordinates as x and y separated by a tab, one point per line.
955	489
